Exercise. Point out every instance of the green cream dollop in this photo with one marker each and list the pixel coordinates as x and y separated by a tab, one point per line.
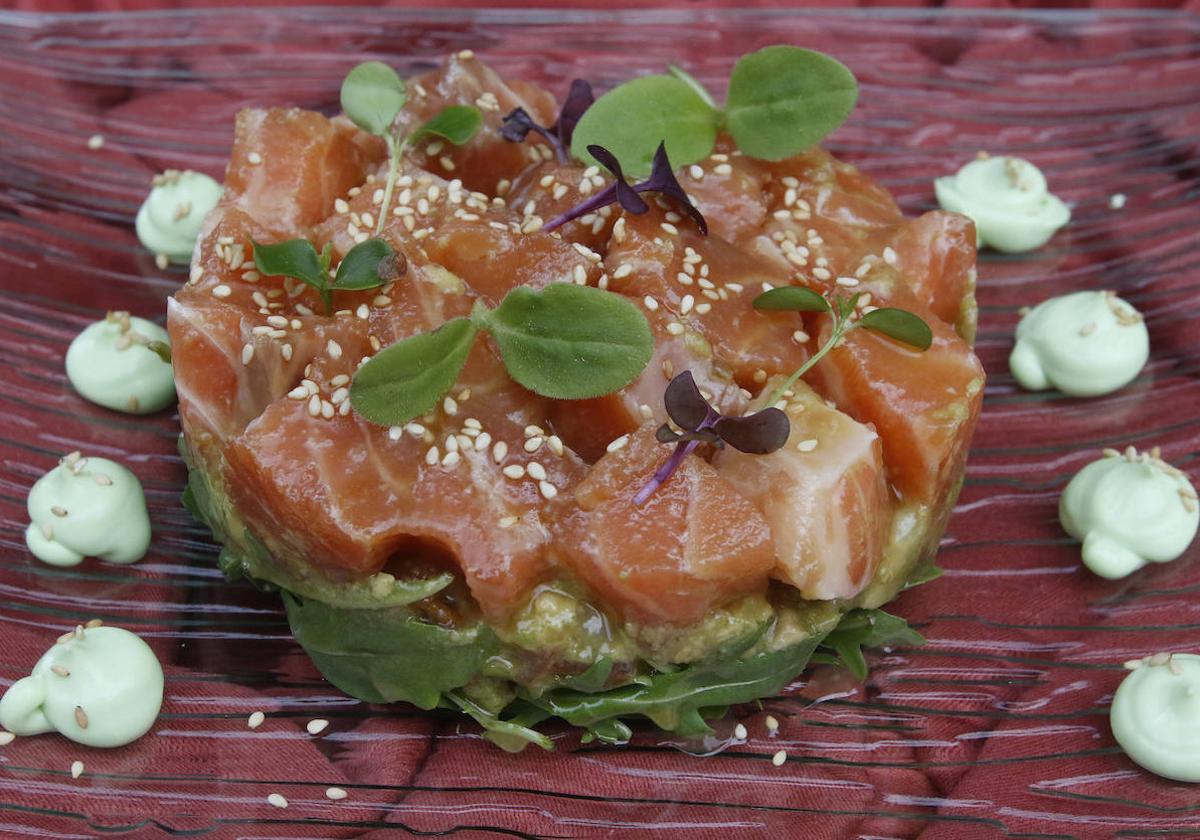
1007	199
1129	510
170	218
1155	715
98	686
1084	344
112	364
87	507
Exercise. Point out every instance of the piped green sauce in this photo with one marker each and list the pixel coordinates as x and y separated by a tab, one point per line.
1008	200
99	686
1155	715
1084	344
112	364
1129	510
170	218
87	507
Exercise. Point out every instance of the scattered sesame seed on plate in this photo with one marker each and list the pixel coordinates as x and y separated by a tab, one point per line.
316	726
772	724
617	443
255	720
6	738
779	758
740	732
76	769
335	793
278	800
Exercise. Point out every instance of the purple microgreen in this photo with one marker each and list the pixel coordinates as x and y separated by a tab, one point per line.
517	125
755	434
894	323
759	433
662	180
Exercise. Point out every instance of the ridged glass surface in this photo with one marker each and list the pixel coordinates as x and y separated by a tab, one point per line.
997	727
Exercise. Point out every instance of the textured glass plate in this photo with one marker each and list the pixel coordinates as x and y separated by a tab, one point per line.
997	726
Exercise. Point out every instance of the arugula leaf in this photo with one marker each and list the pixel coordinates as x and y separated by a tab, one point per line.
900	325
456	123
860	629
570	342
360	268
633	119
783	100
408	378
791	299
372	95
510	735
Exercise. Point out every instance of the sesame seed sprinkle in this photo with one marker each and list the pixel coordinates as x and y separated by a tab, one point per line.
278	800
6	738
740	732
317	726
221	291
536	471
779	758
76	769
96	141
81	718
255	720
807	445
335	793
548	490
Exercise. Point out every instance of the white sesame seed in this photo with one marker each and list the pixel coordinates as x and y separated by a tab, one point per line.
696	172
669	228
499	451
286	352
650	303
772	724
685	305
623	270
314	405
841	281
6	738
247	353
723	169
675	328
779	758
483	442
508	521
740	732
317	726
335	793
334	349
536	471
533	444
432	455
451	459
807	445
221	291
327	410
1116	201
800	337
76	769
548	490
277	800
514	471
96	141
579	274
889	256
822	273
556	445
617	444
450	406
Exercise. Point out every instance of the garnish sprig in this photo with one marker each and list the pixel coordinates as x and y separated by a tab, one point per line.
564	341
518	123
662	180
895	323
373	95
756	434
368	265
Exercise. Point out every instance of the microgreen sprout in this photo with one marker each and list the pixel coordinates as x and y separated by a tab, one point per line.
662	180
894	323
519	123
757	434
565	341
368	265
373	95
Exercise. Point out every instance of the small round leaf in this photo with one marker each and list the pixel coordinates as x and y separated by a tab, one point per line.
783	100
360	267
456	123
294	258
372	96
570	342
408	378
900	325
791	299
756	434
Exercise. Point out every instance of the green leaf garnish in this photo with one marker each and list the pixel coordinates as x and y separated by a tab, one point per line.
860	629
456	123
295	258
694	83
784	100
408	378
360	268
565	342
791	299
160	349
900	325
570	342
633	119
895	323
372	96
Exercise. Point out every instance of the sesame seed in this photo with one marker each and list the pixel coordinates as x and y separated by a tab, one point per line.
450	406
623	270
96	141
314	406
696	172
451	459
533	444
841	281
482	442
669	228
1160	658
1116	201
723	169
740	732
772	724
548	490
335	793
514	471
675	328
579	274
650	303
556	445
800	337
619	230
536	471
81	718
6	738
255	720
779	758
889	256
685	305
278	800
247	353
327	410
317	726
825	274
221	291
466	55
102	479
76	769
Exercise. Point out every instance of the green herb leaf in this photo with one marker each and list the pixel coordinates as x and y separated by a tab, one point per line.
570	342
294	258
693	83
791	299
900	325
456	123
783	100
408	378
372	96
360	267
160	349
860	629
631	120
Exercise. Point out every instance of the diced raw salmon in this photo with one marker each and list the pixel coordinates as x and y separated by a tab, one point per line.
288	166
936	254
824	495
549	188
695	544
